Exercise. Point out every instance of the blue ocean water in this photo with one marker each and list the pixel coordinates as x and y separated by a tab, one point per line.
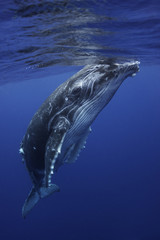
112	191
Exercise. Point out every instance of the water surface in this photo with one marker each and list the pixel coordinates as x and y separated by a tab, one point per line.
36	36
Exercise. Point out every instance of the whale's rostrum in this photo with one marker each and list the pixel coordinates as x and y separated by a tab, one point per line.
59	129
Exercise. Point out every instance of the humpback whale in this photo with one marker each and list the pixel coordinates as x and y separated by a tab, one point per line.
59	129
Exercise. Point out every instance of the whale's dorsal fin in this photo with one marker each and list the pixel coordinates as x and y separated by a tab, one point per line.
53	147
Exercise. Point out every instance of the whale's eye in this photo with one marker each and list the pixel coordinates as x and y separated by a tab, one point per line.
76	90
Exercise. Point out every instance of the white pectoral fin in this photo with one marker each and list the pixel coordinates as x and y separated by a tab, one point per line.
53	147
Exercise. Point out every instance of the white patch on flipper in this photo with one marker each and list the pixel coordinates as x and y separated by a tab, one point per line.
54	159
21	151
60	145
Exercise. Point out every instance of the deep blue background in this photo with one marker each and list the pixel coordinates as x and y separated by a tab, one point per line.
112	192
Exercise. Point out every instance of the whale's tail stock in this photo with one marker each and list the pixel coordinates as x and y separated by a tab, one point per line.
34	196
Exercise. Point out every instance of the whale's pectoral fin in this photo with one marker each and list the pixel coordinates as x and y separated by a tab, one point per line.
34	197
53	147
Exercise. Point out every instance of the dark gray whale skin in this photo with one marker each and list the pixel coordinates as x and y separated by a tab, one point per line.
58	130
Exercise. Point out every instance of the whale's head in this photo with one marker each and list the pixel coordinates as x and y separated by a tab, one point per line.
92	88
94	80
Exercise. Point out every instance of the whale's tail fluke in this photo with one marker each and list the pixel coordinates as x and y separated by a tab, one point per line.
35	196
